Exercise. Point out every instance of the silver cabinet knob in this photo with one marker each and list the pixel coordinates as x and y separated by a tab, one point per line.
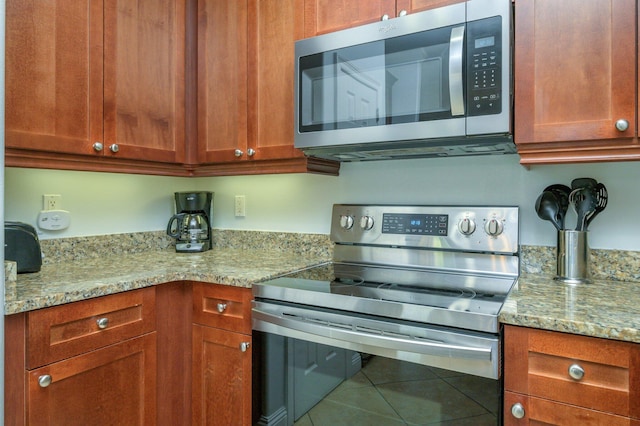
114	148
97	146
222	307
384	17
402	13
622	125
517	410
103	323
238	153
576	372
244	346
44	380
251	152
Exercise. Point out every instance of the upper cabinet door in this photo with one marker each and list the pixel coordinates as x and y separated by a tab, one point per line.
324	16
144	63
274	25
575	71
95	79
222	80
54	75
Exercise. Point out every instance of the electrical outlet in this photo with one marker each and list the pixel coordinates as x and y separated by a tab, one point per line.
240	206
52	202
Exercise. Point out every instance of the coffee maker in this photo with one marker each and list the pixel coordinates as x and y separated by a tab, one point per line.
191	225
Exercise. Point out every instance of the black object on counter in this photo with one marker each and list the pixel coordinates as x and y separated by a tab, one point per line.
21	245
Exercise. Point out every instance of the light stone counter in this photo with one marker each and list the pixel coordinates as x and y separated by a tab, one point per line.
81	268
77	280
603	308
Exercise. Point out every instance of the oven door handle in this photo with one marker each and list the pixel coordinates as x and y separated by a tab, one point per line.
361	337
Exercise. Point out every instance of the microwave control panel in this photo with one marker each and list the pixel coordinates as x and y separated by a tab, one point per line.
484	66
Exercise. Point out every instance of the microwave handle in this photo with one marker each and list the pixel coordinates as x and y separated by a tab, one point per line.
456	96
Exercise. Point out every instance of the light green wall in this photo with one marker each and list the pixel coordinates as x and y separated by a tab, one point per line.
105	203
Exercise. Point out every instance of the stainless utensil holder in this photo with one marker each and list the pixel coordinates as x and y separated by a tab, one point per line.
573	257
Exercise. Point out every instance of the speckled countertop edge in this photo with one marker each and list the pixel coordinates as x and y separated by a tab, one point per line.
78	280
602	308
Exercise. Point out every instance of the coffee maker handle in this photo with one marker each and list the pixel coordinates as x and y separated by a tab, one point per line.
176	217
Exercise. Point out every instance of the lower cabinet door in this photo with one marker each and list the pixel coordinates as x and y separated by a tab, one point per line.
526	410
115	385
221	377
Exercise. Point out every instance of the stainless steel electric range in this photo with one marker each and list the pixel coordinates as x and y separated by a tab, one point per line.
418	284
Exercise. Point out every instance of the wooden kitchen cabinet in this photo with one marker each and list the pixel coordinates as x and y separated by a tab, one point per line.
88	362
324	16
96	85
560	378
245	88
575	81
222	352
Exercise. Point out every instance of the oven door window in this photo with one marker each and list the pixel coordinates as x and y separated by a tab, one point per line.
406	79
315	384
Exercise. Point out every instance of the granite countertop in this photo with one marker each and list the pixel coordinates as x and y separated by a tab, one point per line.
602	308
77	280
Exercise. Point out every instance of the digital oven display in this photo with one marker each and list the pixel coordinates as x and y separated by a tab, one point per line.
420	224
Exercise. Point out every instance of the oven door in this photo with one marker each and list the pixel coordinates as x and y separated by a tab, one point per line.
325	367
466	352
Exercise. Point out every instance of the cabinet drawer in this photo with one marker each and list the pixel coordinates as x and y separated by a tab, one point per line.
541	411
67	330
589	372
222	306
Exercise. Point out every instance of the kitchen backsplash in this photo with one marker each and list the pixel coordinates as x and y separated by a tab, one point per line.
78	248
615	265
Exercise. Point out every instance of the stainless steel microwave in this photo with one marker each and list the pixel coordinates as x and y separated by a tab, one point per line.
429	84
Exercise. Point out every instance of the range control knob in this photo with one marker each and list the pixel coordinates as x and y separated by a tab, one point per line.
493	227
366	222
467	226
346	221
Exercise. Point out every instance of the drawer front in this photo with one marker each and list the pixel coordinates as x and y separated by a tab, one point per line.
538	411
589	372
222	306
67	330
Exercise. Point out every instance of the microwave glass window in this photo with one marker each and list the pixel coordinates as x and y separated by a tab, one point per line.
374	84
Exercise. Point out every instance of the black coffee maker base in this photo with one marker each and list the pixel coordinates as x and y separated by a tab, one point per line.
192	247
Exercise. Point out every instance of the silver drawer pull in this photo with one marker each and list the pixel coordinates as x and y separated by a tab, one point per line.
44	380
622	125
517	410
103	323
222	307
576	372
244	346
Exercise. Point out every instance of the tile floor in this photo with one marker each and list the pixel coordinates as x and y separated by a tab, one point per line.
390	392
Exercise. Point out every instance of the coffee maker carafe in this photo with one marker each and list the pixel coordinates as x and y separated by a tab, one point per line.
191	225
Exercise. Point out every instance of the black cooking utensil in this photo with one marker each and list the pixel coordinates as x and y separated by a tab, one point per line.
548	208
584	201
583	183
562	194
602	198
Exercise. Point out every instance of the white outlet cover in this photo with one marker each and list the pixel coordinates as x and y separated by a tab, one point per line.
54	220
